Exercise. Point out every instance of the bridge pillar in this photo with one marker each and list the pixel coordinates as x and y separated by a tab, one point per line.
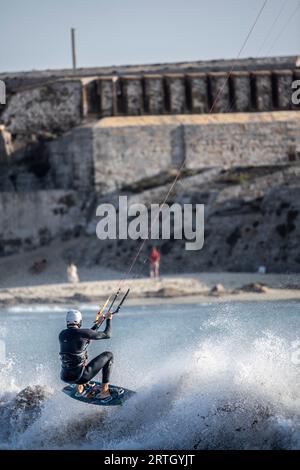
241	91
198	92
220	100
107	96
133	95
262	90
175	89
153	94
282	82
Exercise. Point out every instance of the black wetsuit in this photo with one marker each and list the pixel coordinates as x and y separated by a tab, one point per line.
73	345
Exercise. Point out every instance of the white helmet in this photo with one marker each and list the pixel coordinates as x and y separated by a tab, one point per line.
74	317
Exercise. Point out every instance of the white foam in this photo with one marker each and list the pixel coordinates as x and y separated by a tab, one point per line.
227	390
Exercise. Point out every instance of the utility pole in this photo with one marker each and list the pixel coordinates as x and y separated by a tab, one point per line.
73	48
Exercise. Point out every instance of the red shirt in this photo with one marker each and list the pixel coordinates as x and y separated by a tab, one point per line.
154	255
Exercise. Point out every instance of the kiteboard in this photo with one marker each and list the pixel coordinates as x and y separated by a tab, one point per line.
118	394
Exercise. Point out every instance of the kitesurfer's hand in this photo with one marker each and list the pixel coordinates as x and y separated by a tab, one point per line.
109	316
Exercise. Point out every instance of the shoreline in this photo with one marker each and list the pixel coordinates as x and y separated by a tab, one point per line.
184	289
196	300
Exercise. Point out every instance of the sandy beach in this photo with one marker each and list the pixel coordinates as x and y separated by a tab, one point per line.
19	286
179	289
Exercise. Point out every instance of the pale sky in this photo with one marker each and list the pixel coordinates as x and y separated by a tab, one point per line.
35	34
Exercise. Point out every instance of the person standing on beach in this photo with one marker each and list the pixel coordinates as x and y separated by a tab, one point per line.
154	259
72	273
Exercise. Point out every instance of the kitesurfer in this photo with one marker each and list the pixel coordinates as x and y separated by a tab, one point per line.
74	341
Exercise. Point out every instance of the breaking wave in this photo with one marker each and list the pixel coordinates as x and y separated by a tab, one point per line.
223	391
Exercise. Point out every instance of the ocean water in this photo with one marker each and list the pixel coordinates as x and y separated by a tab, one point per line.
207	376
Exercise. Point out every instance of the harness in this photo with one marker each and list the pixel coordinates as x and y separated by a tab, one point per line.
71	361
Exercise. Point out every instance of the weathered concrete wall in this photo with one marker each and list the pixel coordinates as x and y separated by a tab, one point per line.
216	92
107	93
144	147
219	88
34	218
133	95
116	152
124	153
64	163
175	94
262	86
241	92
198	93
50	109
283	86
259	139
154	94
18	80
71	159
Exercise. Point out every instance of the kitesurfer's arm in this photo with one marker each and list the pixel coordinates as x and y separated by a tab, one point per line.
95	335
107	331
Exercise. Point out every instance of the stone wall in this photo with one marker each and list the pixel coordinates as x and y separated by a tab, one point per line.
44	111
192	93
47	109
32	219
130	149
116	152
255	140
64	163
123	154
18	80
71	160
